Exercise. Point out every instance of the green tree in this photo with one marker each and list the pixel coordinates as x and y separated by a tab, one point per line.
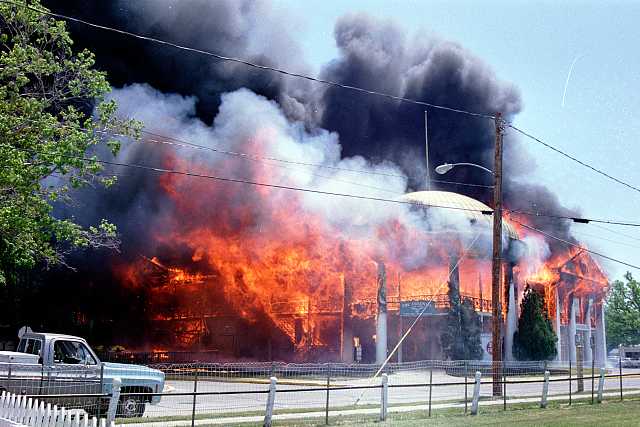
535	338
53	115
622	312
460	338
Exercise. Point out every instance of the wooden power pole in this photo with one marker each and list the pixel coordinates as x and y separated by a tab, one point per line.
496	267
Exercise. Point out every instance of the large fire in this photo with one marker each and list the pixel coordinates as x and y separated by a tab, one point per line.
264	256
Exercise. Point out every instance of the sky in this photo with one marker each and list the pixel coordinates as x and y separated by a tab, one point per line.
533	45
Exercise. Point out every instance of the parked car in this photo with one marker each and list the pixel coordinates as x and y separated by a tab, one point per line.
626	362
64	365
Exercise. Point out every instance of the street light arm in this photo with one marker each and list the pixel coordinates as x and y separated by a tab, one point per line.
450	166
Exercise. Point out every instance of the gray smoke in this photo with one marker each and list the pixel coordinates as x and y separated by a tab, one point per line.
248	29
378	55
374	54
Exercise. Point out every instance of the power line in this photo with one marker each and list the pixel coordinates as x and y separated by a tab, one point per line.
315	79
569	156
576	219
182	143
249	63
278	186
257	159
330	193
460	183
630	245
284	187
551	236
617	232
170	140
581	220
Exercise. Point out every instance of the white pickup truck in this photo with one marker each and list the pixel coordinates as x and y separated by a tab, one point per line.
64	365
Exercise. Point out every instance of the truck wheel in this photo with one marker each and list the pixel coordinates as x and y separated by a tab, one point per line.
130	407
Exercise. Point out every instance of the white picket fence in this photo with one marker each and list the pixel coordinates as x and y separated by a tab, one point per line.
18	410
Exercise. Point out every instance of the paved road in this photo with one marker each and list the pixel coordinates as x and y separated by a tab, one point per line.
289	398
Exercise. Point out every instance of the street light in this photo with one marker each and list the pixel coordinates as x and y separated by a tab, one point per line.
446	167
496	264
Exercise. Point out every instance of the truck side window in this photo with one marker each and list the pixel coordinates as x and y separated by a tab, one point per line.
72	352
30	346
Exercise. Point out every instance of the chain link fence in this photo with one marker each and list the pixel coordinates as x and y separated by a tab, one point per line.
228	393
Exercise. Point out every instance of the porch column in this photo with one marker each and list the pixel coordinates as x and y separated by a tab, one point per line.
588	353
557	325
572	329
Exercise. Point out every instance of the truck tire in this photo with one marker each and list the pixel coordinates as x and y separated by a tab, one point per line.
130	407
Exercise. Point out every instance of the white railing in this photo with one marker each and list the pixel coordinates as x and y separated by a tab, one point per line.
19	410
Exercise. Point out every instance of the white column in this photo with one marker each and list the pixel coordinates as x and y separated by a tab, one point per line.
601	338
557	325
588	354
512	322
346	344
572	329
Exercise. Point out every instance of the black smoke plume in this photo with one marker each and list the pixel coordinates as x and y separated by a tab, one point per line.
373	54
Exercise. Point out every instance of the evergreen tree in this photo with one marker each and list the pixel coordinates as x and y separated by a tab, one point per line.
535	338
461	338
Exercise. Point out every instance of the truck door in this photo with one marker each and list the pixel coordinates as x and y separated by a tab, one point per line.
74	371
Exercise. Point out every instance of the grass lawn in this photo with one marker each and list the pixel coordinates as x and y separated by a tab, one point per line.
626	413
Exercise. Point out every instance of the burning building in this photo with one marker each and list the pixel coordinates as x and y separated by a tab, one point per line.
235	260
356	312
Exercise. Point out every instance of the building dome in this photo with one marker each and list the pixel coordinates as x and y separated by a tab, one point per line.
448	199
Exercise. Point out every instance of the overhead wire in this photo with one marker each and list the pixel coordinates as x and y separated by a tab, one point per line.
277	186
248	63
576	219
571	157
488	211
617	232
168	140
594	236
343	86
566	242
323	81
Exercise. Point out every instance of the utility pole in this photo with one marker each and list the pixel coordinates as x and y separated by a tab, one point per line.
426	145
496	267
400	322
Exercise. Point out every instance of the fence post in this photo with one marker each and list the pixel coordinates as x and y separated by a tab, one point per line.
195	390
545	390
570	380
593	364
476	394
384	396
466	396
620	370
326	408
430	388
504	389
101	388
271	398
113	401
601	384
